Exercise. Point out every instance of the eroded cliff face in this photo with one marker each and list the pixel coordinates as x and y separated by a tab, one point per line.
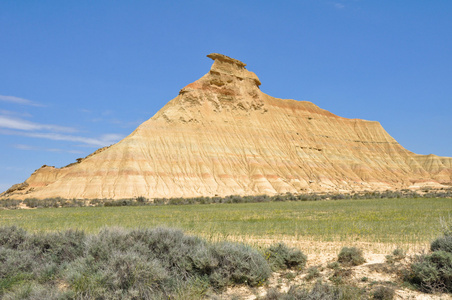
221	136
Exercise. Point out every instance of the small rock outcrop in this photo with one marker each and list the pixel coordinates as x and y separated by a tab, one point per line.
221	136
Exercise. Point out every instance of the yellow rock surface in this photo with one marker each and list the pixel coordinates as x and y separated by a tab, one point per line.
221	136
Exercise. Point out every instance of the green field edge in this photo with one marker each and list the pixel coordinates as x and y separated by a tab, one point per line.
7	203
407	221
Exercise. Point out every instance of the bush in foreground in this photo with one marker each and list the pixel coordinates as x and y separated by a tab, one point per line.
122	264
351	256
443	243
320	291
433	272
281	257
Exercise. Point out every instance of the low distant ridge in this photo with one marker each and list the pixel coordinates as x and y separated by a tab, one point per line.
222	136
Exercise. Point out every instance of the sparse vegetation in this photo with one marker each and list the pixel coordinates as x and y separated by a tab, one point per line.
433	272
320	291
334	265
382	292
313	272
340	276
141	200
49	264
10	203
397	255
344	221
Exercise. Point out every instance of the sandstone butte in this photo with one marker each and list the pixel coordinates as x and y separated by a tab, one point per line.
222	136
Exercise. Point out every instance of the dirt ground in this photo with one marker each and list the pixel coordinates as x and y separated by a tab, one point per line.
376	271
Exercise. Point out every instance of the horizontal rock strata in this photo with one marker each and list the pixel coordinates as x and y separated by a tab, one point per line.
221	135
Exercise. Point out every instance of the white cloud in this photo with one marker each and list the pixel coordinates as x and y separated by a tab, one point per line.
107	113
14	168
14	113
11	124
33	148
25	147
18	100
339	5
124	124
111	137
19	124
103	140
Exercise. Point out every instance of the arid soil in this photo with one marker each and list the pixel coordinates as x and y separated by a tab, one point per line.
376	271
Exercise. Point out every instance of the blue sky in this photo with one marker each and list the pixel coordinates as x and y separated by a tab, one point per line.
78	75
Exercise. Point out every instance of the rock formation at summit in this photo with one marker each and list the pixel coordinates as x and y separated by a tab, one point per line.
221	136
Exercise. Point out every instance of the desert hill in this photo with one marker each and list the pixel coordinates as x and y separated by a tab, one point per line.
221	135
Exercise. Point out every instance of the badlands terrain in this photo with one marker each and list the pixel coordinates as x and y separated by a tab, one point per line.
222	136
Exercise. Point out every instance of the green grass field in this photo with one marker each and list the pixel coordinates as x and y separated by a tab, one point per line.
394	221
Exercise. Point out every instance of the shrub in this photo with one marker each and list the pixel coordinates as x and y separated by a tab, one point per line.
397	255
442	243
446	225
95	202
281	257
340	275
10	203
432	272
238	263
383	293
183	257
125	273
12	237
313	272
320	291
122	264
121	202
56	247
34	291
351	256
290	275
333	265
142	199
222	263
